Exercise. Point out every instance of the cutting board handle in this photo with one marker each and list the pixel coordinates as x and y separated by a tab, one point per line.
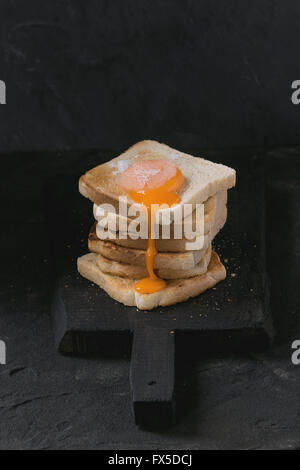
152	376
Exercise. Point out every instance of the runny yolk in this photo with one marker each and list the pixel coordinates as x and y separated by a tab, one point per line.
152	182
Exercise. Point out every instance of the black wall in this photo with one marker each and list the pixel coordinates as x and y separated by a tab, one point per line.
95	73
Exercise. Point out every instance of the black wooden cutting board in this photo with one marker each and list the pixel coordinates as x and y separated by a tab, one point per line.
234	315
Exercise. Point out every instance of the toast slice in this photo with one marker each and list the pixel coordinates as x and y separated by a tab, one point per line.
179	290
181	260
202	177
131	271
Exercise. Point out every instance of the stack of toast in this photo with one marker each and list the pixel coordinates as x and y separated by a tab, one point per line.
189	267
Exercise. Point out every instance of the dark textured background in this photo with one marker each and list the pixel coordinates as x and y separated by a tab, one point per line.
104	74
224	401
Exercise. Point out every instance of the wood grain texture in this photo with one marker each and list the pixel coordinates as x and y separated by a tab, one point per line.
152	375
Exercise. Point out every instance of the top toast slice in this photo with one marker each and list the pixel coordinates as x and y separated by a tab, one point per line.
202	178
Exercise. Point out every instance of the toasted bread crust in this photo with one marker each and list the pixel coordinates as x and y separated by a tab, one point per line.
131	271
202	177
179	290
112	251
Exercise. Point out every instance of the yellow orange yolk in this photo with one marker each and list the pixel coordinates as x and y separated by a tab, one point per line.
152	182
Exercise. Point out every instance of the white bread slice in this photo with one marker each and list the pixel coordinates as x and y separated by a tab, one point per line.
202	177
181	260
131	271
179	290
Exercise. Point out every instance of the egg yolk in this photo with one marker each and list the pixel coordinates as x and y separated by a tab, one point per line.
152	182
